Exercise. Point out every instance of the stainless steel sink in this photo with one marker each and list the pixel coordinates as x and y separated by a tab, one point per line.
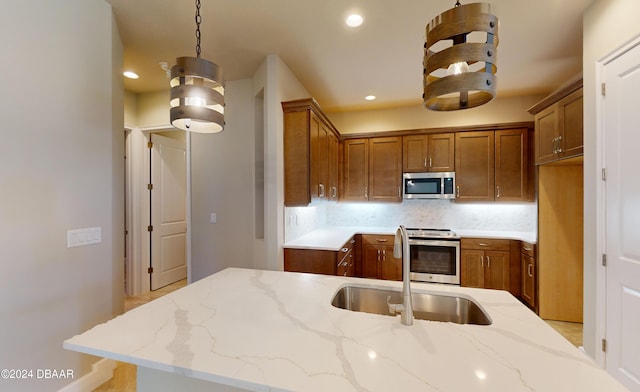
426	306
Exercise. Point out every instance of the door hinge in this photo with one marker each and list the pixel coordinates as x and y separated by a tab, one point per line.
150	144
150	270
603	89
604	259
604	345
149	228
149	186
604	174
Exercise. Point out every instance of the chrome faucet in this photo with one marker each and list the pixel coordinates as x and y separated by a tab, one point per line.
401	250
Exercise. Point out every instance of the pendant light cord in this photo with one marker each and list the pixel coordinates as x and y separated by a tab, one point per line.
198	20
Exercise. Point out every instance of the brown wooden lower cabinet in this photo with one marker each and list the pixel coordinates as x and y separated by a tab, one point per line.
327	262
529	274
490	264
377	258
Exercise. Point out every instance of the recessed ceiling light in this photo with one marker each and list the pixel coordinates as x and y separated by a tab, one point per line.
370	97
354	20
130	75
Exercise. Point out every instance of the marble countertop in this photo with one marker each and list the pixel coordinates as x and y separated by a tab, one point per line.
269	330
334	238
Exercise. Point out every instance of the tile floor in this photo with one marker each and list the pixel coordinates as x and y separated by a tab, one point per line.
124	376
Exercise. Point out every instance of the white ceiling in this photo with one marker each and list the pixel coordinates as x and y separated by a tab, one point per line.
540	44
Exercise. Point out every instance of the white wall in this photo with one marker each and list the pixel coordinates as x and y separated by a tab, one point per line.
608	24
279	84
222	183
61	168
500	110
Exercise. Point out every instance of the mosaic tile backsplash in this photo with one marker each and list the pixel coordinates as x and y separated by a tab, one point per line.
519	217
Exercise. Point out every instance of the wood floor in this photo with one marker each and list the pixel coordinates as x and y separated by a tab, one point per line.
124	376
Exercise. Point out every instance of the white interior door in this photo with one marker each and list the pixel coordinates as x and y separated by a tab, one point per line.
622	187
168	211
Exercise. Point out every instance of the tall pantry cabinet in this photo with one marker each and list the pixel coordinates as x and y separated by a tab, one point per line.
558	128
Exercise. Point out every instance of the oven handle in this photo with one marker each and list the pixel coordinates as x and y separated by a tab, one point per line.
451	244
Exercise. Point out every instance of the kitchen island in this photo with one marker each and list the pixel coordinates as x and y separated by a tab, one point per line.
277	331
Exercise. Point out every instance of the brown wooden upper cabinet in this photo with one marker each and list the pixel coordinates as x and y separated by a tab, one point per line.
428	153
373	169
559	125
493	166
311	159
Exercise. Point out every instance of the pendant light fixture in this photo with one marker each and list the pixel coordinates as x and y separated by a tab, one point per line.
462	74
197	91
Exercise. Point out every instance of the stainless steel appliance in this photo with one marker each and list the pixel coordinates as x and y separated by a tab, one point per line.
429	185
434	255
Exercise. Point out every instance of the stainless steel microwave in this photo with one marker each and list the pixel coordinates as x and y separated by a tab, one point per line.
429	185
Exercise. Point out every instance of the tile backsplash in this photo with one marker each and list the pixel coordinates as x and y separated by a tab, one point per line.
521	217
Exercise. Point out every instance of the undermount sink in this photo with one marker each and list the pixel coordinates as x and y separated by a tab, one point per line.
426	306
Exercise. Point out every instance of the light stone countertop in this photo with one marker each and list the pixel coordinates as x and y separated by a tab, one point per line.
270	330
334	238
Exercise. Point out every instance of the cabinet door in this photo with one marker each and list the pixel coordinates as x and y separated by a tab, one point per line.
356	170
441	156
546	133
415	153
311	261
370	261
511	175
472	268
391	267
315	152
296	158
334	167
528	280
496	270
570	110
475	174
385	169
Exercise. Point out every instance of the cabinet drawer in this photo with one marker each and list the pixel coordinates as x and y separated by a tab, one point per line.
376	239
528	249
484	244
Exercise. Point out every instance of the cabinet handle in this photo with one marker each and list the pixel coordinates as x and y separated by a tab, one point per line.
384	255
399	193
334	192
430	163
482	261
345	250
483	244
559	143
488	262
457	190
526	248
366	192
425	162
378	254
498	189
321	190
530	270
382	240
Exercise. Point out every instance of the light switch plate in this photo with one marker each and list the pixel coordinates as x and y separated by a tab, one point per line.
82	237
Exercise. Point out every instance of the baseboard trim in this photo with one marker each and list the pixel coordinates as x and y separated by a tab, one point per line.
101	372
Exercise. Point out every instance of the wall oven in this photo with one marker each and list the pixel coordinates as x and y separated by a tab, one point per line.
434	255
